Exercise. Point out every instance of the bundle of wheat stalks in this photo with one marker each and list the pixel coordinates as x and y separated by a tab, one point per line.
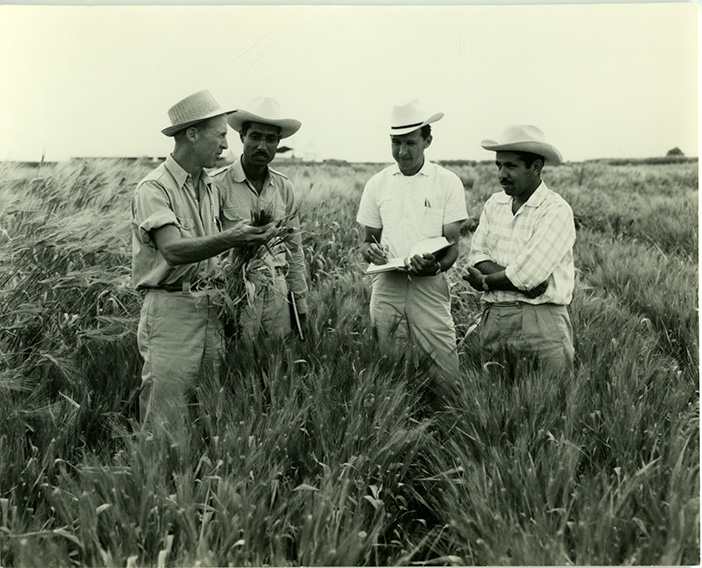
242	269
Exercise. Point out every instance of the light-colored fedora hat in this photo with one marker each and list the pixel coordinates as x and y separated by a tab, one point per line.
266	111
524	138
409	117
191	110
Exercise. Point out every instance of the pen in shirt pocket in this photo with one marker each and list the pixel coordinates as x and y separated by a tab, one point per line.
426	203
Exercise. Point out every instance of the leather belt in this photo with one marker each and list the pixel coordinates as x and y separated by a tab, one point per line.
195	287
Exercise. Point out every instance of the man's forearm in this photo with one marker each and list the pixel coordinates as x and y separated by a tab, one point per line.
495	276
496	279
449	257
195	249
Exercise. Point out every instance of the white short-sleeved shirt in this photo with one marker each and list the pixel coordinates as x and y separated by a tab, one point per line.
411	208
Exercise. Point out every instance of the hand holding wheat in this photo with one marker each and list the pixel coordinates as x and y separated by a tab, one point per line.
263	236
244	234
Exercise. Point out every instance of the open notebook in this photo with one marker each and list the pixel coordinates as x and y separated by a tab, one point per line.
426	246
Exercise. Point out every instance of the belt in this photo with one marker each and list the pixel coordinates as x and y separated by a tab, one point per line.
188	287
518	304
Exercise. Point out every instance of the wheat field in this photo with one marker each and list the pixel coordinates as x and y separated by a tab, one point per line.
326	452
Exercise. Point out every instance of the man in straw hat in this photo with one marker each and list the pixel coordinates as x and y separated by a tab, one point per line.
522	258
410	201
248	187
176	238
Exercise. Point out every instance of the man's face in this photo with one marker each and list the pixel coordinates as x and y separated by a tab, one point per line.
260	143
408	151
211	141
514	177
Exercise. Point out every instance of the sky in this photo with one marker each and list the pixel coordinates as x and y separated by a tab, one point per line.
601	80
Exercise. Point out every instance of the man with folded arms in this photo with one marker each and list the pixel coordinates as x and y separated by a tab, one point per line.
176	238
522	258
249	186
408	202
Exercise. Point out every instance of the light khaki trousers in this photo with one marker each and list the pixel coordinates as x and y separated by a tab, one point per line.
180	337
519	330
418	310
269	312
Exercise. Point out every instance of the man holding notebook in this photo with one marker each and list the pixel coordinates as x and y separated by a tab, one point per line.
412	201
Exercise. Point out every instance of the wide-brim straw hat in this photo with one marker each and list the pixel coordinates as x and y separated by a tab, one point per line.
409	117
191	110
266	111
525	138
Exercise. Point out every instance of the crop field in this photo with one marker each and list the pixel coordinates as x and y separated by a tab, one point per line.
325	452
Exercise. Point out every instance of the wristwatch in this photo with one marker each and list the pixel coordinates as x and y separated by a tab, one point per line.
438	268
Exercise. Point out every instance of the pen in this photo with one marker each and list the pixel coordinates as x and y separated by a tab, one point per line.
379	245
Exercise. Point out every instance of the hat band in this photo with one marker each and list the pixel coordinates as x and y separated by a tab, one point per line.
406	126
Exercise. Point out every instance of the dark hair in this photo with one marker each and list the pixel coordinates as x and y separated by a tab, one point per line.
529	158
425	131
247	124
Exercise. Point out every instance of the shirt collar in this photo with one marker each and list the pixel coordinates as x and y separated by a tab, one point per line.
426	170
180	175
240	174
177	171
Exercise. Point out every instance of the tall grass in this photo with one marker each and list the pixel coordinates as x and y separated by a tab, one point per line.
328	451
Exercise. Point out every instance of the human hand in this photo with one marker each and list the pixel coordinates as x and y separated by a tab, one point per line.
244	233
475	278
536	292
375	253
423	265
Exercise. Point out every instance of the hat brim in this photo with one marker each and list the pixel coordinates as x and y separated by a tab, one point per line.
288	126
552	157
399	131
171	130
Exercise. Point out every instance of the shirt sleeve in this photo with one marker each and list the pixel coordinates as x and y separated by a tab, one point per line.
479	243
368	211
297	268
151	210
553	238
455	208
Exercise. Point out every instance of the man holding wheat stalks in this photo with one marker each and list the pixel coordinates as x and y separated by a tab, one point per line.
273	301
408	202
522	258
176	238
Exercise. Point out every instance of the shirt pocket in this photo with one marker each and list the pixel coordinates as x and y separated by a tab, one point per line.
432	224
233	215
186	224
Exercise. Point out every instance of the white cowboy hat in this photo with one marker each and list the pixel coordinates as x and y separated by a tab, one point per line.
525	138
409	117
191	110
267	111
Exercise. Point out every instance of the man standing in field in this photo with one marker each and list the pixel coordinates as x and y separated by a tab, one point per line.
249	187
522	257
408	202
175	241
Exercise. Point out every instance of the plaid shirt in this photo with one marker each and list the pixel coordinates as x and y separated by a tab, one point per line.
533	245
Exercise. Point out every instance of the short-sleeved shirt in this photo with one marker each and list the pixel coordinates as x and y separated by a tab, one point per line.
534	245
411	208
167	196
239	198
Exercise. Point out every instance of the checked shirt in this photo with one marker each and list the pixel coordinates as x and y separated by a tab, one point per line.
533	245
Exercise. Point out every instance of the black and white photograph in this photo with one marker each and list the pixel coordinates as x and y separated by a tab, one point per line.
349	284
